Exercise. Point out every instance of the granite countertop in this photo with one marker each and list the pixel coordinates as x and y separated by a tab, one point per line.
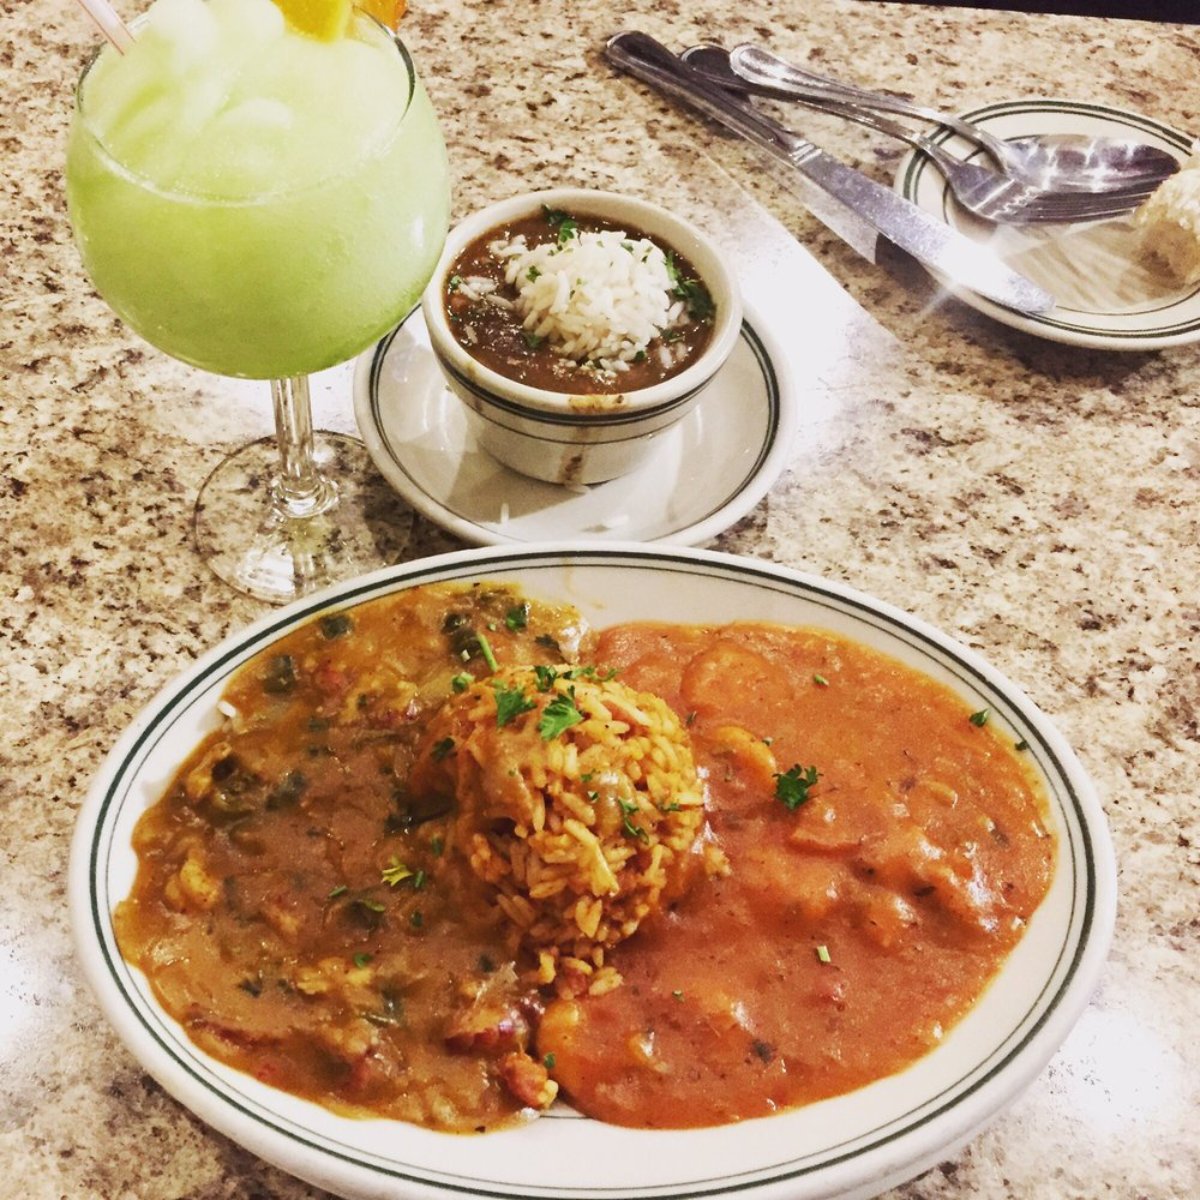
1038	502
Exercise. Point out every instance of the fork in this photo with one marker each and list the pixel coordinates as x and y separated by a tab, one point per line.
978	189
1091	164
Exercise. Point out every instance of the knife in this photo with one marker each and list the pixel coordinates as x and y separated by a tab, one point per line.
945	250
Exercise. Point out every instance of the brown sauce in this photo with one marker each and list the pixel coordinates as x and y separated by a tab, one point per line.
308	920
494	334
302	914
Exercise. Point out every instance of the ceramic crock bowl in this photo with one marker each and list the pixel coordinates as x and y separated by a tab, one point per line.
558	436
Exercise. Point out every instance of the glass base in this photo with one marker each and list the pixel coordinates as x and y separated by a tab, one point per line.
249	543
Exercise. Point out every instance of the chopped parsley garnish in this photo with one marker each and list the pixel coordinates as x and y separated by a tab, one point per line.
510	704
461	681
691	291
442	748
566	225
1021	745
822	953
395	872
549	1060
361	960
517	617
559	715
545	676
531	339
532	274
793	785
695	295
340	890
628	808
453	283
820	681
437	845
980	719
591	673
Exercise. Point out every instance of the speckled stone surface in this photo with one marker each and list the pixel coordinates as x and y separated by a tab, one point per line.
1040	503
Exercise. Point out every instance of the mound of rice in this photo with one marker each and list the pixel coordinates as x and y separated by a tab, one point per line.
596	297
576	812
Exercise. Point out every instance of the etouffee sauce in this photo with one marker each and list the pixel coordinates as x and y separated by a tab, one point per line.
308	920
851	933
302	914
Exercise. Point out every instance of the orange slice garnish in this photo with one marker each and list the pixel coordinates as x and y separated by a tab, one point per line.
326	20
386	12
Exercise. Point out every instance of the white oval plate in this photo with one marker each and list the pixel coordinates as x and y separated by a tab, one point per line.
707	472
1108	296
851	1146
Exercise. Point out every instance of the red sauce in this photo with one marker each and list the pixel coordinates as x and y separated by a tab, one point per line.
911	867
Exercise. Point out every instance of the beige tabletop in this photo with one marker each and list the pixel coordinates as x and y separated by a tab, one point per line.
1038	502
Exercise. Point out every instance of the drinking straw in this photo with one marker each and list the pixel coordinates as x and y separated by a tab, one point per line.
109	22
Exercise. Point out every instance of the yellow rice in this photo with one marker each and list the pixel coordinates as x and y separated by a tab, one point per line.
576	832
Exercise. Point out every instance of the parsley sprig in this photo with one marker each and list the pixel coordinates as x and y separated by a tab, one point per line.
566	225
792	786
691	291
511	702
559	715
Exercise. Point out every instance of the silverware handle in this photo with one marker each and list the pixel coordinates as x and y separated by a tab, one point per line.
762	68
712	62
649	60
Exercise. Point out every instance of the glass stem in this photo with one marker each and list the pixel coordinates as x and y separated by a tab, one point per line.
300	490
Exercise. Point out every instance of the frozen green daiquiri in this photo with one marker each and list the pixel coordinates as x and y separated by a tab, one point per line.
263	202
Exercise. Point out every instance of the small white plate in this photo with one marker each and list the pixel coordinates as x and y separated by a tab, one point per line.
854	1145
708	470
1109	297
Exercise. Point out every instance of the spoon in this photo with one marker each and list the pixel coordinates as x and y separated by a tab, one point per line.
1052	162
979	189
